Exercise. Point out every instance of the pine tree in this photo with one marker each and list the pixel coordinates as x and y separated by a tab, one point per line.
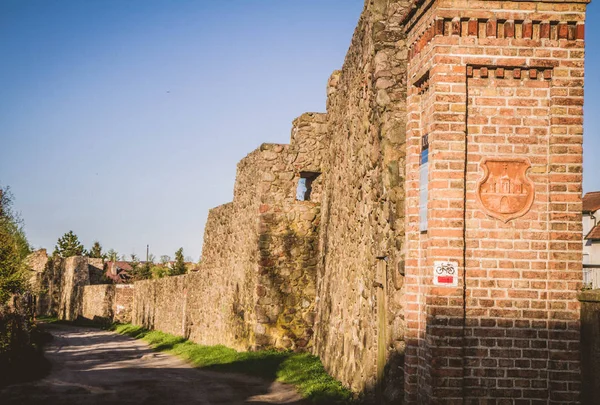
112	255
179	266
68	245
96	251
144	271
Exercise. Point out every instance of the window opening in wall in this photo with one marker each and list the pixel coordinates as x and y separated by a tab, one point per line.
305	185
424	183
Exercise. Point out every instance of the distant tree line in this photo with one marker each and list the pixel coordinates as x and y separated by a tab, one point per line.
69	245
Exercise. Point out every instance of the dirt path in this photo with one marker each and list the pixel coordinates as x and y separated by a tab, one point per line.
91	366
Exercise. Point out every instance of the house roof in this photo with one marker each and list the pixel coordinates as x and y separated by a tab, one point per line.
120	265
120	275
591	201
594	234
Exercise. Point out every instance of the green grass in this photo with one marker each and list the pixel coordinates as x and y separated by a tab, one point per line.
302	370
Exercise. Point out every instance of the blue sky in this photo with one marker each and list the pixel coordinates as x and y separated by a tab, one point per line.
124	120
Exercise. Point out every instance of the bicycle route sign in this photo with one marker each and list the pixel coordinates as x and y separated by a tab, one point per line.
445	274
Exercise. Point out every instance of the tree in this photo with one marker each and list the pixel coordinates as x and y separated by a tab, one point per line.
112	255
159	271
179	266
140	271
164	259
68	245
13	249
96	251
144	272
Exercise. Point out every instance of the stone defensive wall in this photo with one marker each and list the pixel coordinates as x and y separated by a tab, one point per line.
257	283
107	303
69	289
360	324
59	283
97	302
423	236
122	305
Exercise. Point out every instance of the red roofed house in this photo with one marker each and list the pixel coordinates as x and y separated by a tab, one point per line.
591	239
119	272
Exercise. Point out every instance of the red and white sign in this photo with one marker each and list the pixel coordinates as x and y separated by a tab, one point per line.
445	274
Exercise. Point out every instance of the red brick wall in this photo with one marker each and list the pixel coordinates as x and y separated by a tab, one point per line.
495	80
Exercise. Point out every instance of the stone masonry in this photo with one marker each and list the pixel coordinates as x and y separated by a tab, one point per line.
438	258
59	285
360	324
257	283
97	302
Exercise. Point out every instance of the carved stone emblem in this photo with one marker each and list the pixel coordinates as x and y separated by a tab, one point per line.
505	192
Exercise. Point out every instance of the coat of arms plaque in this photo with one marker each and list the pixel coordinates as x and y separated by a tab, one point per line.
505	192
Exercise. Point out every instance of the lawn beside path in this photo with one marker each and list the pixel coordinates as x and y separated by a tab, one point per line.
302	370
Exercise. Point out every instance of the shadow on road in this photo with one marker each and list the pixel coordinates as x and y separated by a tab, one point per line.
91	366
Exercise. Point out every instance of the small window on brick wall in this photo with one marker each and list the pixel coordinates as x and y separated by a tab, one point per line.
424	183
305	185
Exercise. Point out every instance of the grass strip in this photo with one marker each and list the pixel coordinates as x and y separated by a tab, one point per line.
304	371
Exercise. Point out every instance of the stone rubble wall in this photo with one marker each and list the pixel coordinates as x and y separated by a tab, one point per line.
257	284
309	139
347	275
122	304
75	274
188	306
97	302
60	285
159	304
37	262
363	207
287	275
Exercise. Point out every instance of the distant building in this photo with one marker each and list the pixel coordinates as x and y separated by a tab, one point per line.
591	228
119	272
591	239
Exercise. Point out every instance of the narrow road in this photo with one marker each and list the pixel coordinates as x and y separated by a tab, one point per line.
91	366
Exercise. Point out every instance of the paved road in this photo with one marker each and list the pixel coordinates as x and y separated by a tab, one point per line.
91	366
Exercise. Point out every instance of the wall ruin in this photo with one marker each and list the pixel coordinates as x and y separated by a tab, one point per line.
122	305
97	302
257	283
433	96
359	324
354	266
59	284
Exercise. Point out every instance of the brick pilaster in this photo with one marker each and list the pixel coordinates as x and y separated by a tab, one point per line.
503	85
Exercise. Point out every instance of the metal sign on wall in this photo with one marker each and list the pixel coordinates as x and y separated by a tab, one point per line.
445	274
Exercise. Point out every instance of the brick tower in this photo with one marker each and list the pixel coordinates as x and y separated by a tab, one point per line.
494	153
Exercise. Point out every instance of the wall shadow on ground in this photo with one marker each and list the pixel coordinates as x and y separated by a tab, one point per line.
93	367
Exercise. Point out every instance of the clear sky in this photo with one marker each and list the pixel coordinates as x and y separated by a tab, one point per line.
124	120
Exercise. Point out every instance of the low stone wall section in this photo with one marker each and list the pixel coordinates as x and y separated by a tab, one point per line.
122	305
74	275
97	302
194	307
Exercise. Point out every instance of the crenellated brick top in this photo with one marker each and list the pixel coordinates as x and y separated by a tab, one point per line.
500	29
417	6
